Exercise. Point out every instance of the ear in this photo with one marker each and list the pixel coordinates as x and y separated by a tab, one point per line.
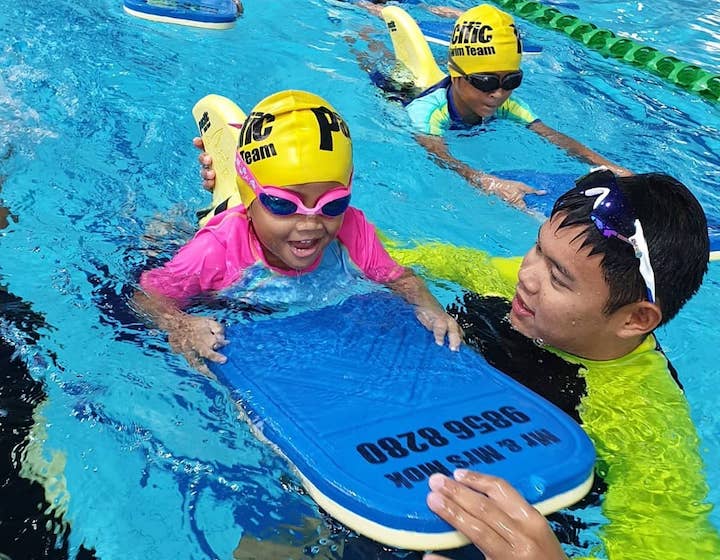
639	319
249	212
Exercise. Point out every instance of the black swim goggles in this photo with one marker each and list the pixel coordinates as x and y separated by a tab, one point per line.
487	81
613	216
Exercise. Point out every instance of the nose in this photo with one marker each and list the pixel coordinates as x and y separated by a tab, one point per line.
309	223
529	275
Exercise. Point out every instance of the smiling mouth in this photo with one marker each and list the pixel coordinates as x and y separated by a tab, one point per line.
520	308
304	248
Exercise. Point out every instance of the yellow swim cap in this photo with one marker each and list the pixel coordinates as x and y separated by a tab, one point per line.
294	137
484	39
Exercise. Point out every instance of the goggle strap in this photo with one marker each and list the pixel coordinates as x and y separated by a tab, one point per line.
454	66
636	240
642	252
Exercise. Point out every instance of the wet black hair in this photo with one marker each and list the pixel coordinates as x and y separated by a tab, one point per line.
674	226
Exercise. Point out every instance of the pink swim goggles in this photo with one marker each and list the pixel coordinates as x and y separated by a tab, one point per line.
282	202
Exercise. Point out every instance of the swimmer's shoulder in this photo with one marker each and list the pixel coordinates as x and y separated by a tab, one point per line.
516	109
429	112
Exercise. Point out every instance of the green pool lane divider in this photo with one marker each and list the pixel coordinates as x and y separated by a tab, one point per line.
688	76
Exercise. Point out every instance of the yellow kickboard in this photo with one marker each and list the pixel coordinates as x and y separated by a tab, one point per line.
411	47
215	116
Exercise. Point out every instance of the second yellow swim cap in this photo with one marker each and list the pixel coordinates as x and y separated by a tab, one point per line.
485	39
294	137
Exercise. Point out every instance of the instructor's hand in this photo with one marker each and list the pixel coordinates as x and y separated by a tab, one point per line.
494	516
207	173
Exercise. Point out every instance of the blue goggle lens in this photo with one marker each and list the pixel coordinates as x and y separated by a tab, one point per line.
278	206
336	207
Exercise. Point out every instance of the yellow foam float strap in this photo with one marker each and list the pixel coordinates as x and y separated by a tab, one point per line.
411	47
215	116
635	414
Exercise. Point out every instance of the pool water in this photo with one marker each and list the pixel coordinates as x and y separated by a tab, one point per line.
690	33
141	456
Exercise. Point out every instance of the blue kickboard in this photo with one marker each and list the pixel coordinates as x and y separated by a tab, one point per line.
207	11
439	32
360	399
554	184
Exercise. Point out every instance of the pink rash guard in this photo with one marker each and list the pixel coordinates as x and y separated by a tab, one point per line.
222	250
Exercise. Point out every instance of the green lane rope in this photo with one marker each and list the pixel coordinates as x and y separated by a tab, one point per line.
688	76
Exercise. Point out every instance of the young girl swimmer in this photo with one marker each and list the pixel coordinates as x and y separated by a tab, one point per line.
294	165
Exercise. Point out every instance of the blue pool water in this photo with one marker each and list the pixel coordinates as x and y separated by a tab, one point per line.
146	458
689	33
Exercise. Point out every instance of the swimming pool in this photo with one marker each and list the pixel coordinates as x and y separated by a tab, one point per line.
145	457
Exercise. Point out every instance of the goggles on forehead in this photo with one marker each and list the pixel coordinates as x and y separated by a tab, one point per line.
614	217
282	202
487	81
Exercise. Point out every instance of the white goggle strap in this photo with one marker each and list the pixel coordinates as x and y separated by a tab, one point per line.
641	252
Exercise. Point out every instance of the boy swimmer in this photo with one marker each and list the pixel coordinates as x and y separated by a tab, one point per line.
484	65
294	165
617	258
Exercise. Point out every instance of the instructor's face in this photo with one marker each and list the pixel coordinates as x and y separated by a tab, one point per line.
561	294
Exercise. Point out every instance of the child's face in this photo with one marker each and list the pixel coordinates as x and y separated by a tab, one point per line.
482	104
295	241
561	293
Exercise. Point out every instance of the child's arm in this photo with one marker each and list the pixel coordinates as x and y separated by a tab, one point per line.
445	11
575	148
428	309
512	192
367	252
193	337
164	290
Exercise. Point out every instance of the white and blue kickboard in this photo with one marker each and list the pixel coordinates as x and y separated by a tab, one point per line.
211	14
439	32
365	406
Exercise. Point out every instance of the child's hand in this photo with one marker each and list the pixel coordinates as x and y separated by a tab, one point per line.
207	173
510	191
427	309
494	516
441	324
197	338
